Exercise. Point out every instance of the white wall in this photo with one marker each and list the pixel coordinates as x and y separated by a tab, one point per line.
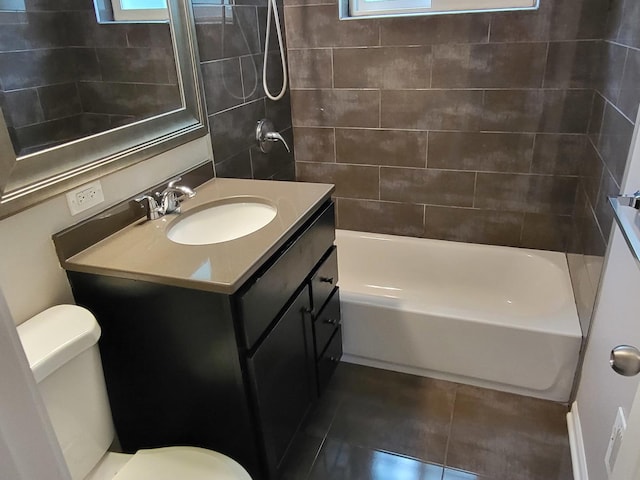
30	274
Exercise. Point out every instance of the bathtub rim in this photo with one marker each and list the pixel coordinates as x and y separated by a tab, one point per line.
569	320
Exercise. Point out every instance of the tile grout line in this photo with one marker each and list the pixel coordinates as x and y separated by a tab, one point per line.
379	108
618	94
325	437
335	146
453	411
426	155
475	187
524	214
315	458
424	219
244	93
533	154
543	81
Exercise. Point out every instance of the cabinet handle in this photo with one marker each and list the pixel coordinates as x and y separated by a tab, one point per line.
331	321
328	280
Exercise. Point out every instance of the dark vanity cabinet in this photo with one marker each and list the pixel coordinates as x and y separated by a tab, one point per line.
235	373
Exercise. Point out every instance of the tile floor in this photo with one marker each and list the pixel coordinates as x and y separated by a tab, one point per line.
378	425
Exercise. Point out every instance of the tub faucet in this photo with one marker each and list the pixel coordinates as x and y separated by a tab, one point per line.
266	135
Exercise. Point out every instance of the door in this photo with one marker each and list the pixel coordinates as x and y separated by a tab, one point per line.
615	322
283	379
627	465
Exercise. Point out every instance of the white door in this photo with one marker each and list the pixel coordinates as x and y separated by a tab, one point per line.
627	464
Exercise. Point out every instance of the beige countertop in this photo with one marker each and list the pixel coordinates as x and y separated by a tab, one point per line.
142	250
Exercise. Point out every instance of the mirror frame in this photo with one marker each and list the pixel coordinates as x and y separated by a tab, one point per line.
33	178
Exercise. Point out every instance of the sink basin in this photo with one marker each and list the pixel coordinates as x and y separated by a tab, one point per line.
222	221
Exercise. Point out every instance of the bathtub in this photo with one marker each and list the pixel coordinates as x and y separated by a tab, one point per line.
495	317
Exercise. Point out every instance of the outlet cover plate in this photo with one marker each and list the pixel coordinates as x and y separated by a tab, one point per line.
84	197
615	440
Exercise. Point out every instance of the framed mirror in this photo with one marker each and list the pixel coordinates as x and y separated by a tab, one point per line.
83	96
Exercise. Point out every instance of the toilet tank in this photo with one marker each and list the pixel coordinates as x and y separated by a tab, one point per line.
61	346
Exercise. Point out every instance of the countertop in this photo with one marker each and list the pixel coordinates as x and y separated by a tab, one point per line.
142	251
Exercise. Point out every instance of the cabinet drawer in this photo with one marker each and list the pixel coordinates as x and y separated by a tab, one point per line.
326	322
324	280
265	297
329	361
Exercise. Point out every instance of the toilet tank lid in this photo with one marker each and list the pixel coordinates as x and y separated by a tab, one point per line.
57	335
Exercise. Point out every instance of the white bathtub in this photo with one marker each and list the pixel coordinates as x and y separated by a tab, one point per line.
495	317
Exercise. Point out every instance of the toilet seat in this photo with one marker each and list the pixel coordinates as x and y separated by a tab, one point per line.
183	463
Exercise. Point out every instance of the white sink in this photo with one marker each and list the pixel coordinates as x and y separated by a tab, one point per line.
222	221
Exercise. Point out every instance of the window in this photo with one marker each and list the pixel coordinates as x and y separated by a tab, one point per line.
12	6
384	8
140	10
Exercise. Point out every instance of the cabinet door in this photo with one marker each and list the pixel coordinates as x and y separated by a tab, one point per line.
283	378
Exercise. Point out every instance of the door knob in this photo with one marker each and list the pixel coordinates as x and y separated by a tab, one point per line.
625	360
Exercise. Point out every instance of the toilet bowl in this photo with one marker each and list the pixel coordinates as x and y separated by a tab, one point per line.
61	346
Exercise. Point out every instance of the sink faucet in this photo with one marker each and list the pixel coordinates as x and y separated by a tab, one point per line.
171	196
170	199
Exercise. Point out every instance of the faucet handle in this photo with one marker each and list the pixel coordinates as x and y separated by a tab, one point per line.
153	209
266	134
275	136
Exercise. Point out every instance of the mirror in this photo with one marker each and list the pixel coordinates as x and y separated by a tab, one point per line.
83	95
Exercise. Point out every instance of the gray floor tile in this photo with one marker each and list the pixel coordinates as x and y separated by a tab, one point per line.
508	437
375	424
452	474
301	457
397	413
341	461
322	416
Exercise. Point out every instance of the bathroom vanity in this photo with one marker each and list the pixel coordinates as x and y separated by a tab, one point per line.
225	346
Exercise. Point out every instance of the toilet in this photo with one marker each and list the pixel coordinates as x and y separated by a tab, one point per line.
61	346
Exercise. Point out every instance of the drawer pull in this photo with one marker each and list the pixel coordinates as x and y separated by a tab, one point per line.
331	321
328	280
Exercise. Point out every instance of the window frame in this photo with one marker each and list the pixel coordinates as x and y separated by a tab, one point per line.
138	14
360	9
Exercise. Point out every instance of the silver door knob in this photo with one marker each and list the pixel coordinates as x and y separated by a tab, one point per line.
625	360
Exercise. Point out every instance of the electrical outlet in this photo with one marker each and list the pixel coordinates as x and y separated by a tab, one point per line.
85	197
615	440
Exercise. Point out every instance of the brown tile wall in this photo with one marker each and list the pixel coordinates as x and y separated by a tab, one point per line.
231	53
612	120
466	127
